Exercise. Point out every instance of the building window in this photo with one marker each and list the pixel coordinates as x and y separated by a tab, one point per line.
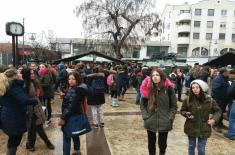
196	51
210	12
209	24
197	23
196	35
198	12
136	53
223	12
204	51
233	37
184	11
222	36
223	25
208	36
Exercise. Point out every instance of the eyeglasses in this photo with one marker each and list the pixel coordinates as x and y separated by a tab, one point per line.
153	75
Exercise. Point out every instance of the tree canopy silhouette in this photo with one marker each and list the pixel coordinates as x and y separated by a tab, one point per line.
122	22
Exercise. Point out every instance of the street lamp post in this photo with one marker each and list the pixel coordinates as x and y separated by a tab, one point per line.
212	42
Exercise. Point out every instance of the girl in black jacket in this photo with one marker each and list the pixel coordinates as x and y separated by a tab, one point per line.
73	100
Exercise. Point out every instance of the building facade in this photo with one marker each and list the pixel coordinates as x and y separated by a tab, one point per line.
74	46
200	31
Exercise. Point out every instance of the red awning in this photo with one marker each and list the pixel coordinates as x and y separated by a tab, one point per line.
25	52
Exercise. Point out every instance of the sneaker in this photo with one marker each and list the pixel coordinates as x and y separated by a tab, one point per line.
96	126
50	146
116	105
31	149
102	125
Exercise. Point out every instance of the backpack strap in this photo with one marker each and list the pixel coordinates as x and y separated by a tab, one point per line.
169	92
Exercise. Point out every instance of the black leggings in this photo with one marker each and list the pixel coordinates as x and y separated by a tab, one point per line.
14	141
113	94
47	103
32	134
162	142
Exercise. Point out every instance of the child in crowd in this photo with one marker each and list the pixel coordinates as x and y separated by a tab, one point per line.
73	100
201	113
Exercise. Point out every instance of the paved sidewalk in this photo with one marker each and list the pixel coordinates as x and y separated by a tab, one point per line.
123	134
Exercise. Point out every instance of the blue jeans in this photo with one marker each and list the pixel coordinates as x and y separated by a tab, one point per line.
67	144
200	146
231	127
138	96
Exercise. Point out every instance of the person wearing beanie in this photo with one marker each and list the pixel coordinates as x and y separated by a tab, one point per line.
201	113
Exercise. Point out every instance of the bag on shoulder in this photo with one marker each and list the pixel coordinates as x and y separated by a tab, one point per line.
77	125
98	86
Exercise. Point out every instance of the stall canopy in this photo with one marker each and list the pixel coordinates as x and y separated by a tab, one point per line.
72	58
223	60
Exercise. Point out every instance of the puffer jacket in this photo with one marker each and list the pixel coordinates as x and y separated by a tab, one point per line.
14	102
161	118
95	98
73	101
219	89
145	86
198	126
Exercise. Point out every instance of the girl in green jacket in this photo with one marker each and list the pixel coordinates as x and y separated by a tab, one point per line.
201	113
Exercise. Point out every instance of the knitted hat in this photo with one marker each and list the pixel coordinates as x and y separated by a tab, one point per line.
202	84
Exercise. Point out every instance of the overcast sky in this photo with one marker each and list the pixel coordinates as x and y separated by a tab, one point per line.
56	15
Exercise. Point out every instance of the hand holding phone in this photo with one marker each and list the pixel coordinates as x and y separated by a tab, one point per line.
189	115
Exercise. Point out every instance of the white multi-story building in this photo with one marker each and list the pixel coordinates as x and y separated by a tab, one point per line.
200	31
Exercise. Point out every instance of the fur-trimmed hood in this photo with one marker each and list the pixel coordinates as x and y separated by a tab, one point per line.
145	86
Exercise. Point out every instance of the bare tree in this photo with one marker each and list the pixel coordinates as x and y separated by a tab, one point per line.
122	22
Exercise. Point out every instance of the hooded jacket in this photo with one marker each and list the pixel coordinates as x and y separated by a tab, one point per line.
145	86
161	118
14	102
95	98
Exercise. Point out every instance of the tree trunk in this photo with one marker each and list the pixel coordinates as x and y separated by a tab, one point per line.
117	50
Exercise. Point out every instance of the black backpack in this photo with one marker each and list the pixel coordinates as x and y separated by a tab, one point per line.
98	86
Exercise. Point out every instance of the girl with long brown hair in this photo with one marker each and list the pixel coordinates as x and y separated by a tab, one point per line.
158	108
201	113
72	104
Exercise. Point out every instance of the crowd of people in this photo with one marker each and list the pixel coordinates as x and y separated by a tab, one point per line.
26	93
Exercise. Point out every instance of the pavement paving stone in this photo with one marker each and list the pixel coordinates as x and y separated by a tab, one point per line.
124	133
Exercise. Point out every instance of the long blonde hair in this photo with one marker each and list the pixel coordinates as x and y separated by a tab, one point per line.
5	80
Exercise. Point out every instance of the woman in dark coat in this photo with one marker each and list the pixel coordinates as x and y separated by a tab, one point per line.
13	114
35	115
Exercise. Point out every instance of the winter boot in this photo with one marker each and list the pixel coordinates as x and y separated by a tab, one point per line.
115	102
112	102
